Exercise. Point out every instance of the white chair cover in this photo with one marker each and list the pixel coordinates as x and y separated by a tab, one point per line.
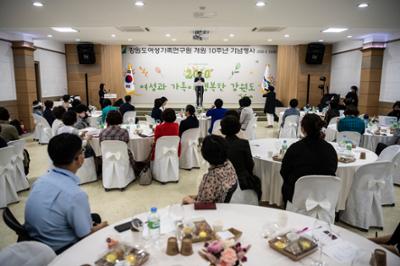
150	120
8	192
396	170
333	120
87	172
290	127
316	196
165	167
247	196
117	170
17	160
391	154
129	117
250	131
45	132
352	136
190	157
217	127
36	131
27	253
363	206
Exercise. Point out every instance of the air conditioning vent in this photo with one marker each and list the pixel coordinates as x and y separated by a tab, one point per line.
268	29
132	29
201	35
202	14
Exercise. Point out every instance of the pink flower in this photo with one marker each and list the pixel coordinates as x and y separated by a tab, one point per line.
229	257
215	247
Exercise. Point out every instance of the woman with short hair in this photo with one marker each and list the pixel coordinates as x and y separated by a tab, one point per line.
191	120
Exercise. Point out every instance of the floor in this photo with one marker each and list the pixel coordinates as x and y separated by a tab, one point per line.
115	205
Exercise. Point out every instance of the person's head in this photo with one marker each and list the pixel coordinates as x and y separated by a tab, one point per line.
230	125
334	102
49	104
66	98
351	110
168	115
81	110
114	118
75	103
128	98
65	150
354	89
164	101
101	87
118	102
199	73
214	149
106	102
189	111
35	102
294	103
246	101
36	105
311	126
69	118
396	106
157	103
271	88
218	103
4	114
232	112
58	112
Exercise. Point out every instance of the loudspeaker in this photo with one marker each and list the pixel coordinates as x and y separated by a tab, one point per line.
315	53
86	53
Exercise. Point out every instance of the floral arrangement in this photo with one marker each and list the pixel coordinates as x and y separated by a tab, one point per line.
224	253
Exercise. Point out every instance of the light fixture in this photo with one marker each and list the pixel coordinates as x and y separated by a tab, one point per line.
349	36
225	40
130	39
168	35
321	40
64	29
139	3
286	35
50	36
363	5
231	35
37	4
334	30
78	40
260	3
173	39
270	40
113	35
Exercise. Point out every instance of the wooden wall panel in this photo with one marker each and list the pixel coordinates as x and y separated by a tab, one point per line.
287	72
12	107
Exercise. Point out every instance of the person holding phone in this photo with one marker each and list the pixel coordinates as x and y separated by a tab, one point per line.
199	88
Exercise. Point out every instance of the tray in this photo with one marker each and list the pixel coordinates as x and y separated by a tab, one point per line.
346	159
281	245
199	226
132	256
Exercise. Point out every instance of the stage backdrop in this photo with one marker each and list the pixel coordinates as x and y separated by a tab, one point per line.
230	72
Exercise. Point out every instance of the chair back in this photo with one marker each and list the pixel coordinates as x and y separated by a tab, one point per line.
17	160
333	120
12	223
250	131
352	136
386	121
6	154
389	153
27	253
317	196
87	171
371	177
166	162
216	127
396	169
290	127
189	153
129	117
247	196
150	120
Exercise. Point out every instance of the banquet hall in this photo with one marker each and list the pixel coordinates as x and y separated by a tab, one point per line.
199	132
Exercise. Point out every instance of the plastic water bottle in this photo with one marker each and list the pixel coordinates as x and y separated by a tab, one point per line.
284	147
153	223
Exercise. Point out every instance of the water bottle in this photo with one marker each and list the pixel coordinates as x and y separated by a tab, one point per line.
344	141
153	223
284	147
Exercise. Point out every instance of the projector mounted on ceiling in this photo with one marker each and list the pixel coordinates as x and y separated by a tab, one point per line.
201	35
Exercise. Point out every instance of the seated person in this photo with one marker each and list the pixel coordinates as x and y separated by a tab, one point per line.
396	110
57	212
37	108
74	104
166	128
333	110
164	102
66	102
58	113
390	242
156	111
83	118
291	111
126	106
115	132
352	97
246	113
69	120
216	112
239	154
220	182
311	155
351	121
48	112
3	143
107	108
8	132
191	120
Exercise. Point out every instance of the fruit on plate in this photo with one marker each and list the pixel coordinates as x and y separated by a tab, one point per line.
305	244
280	244
203	234
111	257
131	259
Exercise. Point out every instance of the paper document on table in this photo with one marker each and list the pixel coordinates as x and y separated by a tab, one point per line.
342	251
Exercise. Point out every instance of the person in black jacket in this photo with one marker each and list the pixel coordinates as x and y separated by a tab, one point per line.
191	120
269	108
156	111
396	110
333	110
310	156
352	97
239	154
102	92
126	106
48	112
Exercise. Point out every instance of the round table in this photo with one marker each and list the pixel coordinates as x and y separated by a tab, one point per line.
204	123
302	114
268	170
248	219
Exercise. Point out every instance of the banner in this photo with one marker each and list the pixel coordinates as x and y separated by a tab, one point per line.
230	72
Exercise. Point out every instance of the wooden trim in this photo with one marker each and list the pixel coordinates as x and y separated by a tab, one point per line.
49	50
5	40
347	51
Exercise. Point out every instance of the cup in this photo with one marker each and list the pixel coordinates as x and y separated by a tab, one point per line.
218	226
363	155
380	257
270	153
186	248
172	246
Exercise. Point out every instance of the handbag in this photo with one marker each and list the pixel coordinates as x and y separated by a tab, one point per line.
145	176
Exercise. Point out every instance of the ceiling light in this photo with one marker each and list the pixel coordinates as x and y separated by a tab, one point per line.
321	40
349	36
334	30
225	40
231	35
286	35
64	29
78	40
270	40
363	5
38	4
113	35
50	36
139	3
130	39
260	3
173	39
168	35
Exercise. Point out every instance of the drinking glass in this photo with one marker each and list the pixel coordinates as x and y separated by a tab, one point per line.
320	233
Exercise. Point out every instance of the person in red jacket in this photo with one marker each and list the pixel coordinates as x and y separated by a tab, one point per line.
166	128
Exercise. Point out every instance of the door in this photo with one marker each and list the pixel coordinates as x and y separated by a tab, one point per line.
37	77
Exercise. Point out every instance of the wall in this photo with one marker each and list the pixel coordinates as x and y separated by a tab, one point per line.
8	96
390	82
287	73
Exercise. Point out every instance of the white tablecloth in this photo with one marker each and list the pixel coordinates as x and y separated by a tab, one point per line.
268	170
204	124
302	114
248	219
95	119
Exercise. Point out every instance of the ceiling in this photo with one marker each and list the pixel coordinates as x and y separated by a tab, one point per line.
303	20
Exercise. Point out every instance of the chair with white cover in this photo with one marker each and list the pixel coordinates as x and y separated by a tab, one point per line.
129	117
8	192
248	196
117	170
333	120
27	253
165	167
316	196
364	205
190	157
352	136
290	127
391	154
396	170
36	131
250	131
216	127
87	172
150	120
17	160
45	132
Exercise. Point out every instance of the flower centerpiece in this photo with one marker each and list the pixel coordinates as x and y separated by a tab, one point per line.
224	253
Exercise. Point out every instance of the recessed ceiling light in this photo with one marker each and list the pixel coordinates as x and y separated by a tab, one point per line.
286	35
50	36
363	5
334	30
225	40
231	35
139	3
270	40
173	39
64	29
113	35
168	35
321	40
78	40
260	3
349	36
130	39
38	4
